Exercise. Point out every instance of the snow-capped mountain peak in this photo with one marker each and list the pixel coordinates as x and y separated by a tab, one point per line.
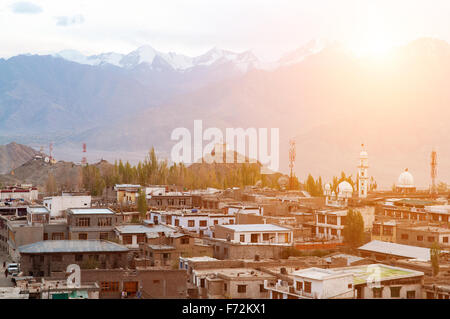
147	55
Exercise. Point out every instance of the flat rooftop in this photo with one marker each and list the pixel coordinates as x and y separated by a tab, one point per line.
407	251
381	272
90	211
71	246
255	227
245	273
318	273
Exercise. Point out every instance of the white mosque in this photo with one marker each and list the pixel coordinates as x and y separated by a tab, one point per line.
345	189
405	183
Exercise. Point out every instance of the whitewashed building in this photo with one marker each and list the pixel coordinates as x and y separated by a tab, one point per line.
58	204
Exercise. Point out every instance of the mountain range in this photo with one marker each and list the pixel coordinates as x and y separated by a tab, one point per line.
329	100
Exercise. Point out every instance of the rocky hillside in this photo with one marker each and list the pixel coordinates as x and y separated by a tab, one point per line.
13	155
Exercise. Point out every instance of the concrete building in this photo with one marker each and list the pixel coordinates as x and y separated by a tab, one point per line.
438	213
91	223
313	283
380	250
59	204
201	223
126	194
255	233
28	194
51	257
170	200
329	224
231	283
423	236
151	283
375	281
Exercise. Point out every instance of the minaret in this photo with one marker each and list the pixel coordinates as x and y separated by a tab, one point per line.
363	177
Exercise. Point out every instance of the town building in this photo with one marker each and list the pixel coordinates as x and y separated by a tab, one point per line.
231	283
150	283
28	194
126	194
361	282
255	233
91	223
329	224
51	257
194	221
381	250
57	205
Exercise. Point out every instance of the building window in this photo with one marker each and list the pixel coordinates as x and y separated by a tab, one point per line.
184	241
216	222
79	257
266	237
411	294
241	288
83	222
82	236
58	236
308	286
191	223
225	287
445	239
104	236
231	221
127	239
350	286
177	222
107	286
431	239
377	292
299	285
321	219
203	223
261	288
242	238
419	238
45	236
106	221
395	292
405	236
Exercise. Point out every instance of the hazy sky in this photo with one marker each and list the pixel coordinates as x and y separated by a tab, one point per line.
268	27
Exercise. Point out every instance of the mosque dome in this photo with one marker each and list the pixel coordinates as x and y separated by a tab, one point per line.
345	189
405	180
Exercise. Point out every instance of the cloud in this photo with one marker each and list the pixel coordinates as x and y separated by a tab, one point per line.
66	21
24	7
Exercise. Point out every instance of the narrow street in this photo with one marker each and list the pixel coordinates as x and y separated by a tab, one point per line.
4	281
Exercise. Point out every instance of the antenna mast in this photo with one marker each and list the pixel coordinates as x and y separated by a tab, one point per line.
433	189
291	162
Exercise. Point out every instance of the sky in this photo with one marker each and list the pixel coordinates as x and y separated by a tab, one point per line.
270	28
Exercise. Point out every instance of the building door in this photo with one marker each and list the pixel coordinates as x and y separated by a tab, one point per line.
359	292
131	287
254	238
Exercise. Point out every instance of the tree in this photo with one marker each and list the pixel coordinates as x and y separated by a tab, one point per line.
442	187
353	229
435	250
50	185
142	204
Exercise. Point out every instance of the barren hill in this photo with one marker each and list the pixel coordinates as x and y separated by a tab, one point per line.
13	155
